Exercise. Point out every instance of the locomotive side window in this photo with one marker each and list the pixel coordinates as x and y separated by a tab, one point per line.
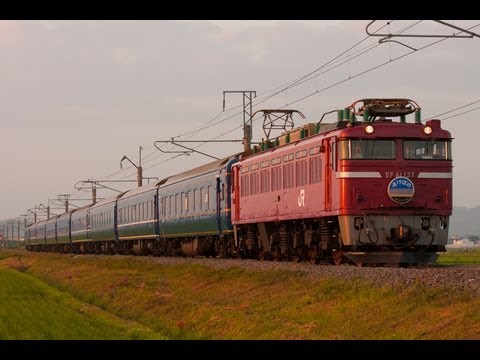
276	175
315	170
244	185
265	181
254	184
288	176
301	172
427	150
367	149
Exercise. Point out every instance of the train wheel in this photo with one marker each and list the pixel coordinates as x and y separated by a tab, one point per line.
263	255
337	257
276	253
312	254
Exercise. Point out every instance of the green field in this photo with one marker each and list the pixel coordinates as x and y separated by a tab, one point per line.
32	309
105	297
460	257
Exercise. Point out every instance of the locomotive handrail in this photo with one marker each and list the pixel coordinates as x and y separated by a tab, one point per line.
373	107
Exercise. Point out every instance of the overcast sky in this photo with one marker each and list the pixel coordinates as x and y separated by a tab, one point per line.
75	96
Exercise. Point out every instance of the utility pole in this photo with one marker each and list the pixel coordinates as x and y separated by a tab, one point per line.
34	215
18	230
46	208
248	95
139	167
2	236
64	198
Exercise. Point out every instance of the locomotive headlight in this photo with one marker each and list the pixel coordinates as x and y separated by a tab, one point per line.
427	130
369	129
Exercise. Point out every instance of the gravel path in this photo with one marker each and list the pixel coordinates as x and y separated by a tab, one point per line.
464	277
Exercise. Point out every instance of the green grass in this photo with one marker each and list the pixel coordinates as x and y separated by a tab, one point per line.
31	309
191	301
460	257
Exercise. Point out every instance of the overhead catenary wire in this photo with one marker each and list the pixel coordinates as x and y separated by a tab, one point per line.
462	113
372	68
334	62
263	97
450	111
305	78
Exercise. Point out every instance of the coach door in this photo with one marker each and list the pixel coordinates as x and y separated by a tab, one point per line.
158	209
235	194
329	170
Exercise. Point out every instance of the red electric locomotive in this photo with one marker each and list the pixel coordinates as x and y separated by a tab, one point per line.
373	191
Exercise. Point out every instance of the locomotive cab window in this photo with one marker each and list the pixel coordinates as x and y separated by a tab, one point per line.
367	149
427	150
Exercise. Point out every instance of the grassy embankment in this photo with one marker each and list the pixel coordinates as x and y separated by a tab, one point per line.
31	309
195	302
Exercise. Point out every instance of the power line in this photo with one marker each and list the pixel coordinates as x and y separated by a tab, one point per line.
447	112
337	60
263	97
371	69
462	113
350	77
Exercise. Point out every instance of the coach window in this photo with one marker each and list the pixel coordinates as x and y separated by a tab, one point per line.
202	199
211	197
195	199
185	201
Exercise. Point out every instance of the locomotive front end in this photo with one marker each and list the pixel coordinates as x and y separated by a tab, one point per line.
395	181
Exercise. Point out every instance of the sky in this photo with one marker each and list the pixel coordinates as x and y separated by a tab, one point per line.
76	96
